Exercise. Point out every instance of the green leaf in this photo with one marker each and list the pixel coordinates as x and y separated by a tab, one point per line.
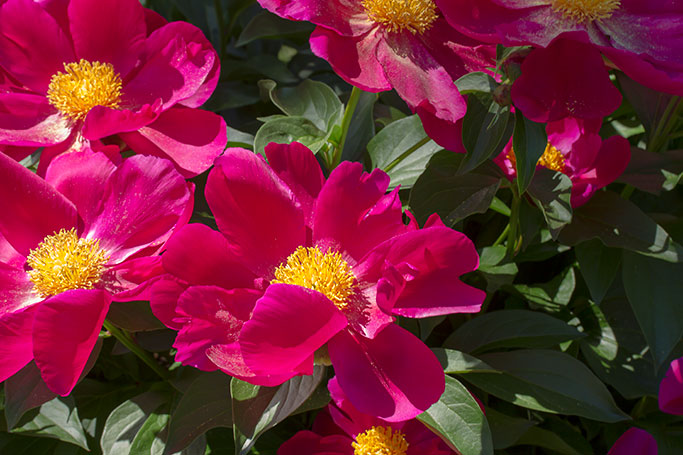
537	379
285	130
529	141
485	130
553	294
549	440
654	289
133	316
598	265
459	420
506	430
25	390
652	172
476	82
57	419
148	440
255	409
125	421
551	191
511	328
361	129
205	405
619	223
238	138
496	267
268	25
454	196
394	150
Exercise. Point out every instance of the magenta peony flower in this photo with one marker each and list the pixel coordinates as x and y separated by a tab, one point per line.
378	45
81	71
643	38
306	268
341	429
70	244
671	389
575	149
634	442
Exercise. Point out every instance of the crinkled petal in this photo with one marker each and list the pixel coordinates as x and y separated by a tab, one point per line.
379	375
659	76
228	357
309	443
133	278
191	138
671	389
634	442
16	342
246	196
104	121
344	17
65	330
288	325
30	121
37	209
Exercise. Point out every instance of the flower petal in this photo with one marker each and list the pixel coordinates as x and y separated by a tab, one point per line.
104	121
16	348
309	443
288	325
634	442
228	357
163	300
37	209
346	18
30	121
379	375
671	389
65	330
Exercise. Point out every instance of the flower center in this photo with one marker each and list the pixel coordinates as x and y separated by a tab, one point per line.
326	273
84	86
580	11
552	158
396	15
380	441
63	262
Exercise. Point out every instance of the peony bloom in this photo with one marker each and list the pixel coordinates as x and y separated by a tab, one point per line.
634	442
79	72
642	38
378	45
306	268
575	149
70	244
671	389
341	429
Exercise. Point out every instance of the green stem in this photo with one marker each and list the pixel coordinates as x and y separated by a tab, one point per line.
627	191
125	339
407	153
502	236
514	223
659	137
346	122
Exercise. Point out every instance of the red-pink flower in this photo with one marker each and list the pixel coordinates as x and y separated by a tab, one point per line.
378	45
671	389
340	429
304	268
79	71
70	244
576	149
643	38
634	442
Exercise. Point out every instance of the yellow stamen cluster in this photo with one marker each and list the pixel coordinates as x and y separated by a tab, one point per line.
63	261
380	441
552	158
415	16
327	273
582	11
83	86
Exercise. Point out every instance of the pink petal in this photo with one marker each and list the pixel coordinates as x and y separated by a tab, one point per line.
346	18
245	196
133	278
476	18
228	357
634	442
610	163
65	330
379	376
30	121
199	255
111	31
212	316
191	138
154	20
352	58
663	77
32	50
288	325
37	209
16	344
671	389
163	300
9	256
104	121
142	202
82	178
309	443
296	165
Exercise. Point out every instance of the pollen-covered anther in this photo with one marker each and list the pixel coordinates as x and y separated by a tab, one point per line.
552	159
380	440
327	273
581	11
63	261
83	86
415	16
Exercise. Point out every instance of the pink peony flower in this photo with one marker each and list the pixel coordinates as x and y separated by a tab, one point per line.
70	244
671	389
341	429
575	149
634	442
643	38
79	72
306	268
378	45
